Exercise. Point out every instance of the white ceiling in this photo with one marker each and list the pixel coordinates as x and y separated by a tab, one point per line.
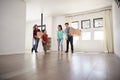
61	7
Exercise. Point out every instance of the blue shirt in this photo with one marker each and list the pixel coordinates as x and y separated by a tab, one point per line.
60	34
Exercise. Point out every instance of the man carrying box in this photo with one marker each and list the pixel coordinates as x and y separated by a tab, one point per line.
69	38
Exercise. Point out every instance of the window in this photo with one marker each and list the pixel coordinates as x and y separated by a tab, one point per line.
98	35
86	36
75	24
98	22
85	24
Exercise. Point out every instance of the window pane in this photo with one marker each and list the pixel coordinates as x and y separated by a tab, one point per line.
86	36
98	35
75	38
85	24
75	25
98	22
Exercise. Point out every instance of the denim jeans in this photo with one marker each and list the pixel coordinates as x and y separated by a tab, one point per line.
60	44
35	45
44	46
69	40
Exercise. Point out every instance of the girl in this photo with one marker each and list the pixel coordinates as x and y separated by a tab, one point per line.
60	34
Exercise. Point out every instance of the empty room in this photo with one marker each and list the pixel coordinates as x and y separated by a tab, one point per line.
59	40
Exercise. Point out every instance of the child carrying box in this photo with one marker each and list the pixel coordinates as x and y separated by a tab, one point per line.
44	38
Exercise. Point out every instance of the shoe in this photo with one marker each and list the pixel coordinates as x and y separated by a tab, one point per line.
36	51
66	51
32	50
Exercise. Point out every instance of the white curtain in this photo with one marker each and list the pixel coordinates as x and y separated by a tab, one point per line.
108	31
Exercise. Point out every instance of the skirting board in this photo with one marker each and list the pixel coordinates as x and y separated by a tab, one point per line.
12	53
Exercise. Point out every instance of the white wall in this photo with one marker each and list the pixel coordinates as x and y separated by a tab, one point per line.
80	45
12	26
29	32
116	28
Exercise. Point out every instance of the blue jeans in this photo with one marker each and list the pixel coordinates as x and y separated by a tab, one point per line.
35	45
60	44
44	46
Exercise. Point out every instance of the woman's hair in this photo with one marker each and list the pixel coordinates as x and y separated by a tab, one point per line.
34	26
60	27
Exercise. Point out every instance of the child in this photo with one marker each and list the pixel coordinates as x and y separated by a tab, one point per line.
60	34
44	38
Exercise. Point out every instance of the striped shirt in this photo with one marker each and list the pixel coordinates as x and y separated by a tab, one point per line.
67	31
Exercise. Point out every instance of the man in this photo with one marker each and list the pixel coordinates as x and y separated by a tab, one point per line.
69	38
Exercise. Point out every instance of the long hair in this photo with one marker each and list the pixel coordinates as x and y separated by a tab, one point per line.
60	27
34	26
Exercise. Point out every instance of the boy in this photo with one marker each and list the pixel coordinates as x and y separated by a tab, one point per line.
44	38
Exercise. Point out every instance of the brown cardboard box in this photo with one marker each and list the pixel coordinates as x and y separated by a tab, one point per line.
39	34
75	32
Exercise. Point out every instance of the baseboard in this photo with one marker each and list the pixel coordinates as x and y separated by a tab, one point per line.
109	52
12	53
29	51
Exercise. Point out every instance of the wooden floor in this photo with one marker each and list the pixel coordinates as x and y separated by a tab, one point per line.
78	66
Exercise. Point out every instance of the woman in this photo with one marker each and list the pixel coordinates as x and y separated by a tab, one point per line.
36	39
60	34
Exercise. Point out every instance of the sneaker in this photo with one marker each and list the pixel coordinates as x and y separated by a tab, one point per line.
66	51
36	51
32	50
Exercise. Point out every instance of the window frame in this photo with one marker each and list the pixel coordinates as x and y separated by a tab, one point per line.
43	27
94	26
85	21
77	23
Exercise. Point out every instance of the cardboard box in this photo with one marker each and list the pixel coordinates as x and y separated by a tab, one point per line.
39	34
75	32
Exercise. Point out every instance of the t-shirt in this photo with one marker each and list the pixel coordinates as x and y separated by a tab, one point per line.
60	34
67	31
44	38
35	32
